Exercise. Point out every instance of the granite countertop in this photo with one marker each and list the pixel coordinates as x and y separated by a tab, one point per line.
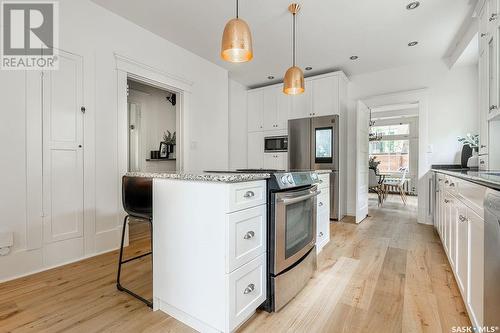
203	176
489	179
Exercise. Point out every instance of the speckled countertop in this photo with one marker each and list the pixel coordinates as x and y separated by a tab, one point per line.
203	176
489	179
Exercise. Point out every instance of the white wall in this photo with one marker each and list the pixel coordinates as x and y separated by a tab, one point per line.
157	117
237	125
452	107
96	34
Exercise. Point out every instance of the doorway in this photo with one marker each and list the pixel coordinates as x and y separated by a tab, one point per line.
152	128
398	137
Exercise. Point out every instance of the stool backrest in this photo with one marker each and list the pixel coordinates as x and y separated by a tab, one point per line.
137	196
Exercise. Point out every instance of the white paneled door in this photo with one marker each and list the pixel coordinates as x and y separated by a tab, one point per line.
362	126
63	150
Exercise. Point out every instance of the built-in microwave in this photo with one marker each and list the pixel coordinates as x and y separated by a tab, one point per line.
275	144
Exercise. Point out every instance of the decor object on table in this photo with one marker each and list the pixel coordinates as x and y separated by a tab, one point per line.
163	150
170	139
470	145
373	164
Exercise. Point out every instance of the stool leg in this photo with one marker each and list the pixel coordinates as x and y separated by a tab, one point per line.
118	285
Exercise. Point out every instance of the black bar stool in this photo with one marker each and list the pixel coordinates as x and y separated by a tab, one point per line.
137	198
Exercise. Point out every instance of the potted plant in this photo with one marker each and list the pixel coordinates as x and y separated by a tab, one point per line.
372	164
169	138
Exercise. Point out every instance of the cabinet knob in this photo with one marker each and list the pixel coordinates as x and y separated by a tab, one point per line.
249	289
483	34
249	235
249	194
482	162
452	184
462	218
321	234
493	107
493	17
446	201
320	204
446	181
483	146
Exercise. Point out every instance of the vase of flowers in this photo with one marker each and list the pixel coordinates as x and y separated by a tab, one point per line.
470	147
170	138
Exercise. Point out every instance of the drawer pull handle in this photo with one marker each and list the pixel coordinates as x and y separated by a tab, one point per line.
452	184
249	289
249	235
321	234
320	204
249	194
446	181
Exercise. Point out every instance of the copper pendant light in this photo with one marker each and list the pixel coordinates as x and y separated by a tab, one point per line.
236	40
293	83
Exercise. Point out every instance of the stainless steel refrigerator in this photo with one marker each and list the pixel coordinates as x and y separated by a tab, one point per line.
313	144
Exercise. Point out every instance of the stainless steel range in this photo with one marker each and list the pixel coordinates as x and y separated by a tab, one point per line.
291	234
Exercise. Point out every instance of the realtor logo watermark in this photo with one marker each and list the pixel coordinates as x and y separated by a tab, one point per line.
30	35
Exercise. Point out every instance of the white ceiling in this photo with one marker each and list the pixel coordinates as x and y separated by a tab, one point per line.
328	31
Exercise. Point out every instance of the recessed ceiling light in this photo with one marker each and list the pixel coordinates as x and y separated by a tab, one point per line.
270	77
353	57
413	5
308	68
412	43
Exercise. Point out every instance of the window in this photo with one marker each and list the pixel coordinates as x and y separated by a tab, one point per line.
393	150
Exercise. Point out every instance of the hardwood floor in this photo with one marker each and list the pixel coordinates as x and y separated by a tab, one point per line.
387	274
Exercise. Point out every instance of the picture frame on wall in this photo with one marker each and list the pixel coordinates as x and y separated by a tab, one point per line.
163	150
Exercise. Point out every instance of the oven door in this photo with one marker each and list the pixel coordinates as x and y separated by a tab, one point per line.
295	226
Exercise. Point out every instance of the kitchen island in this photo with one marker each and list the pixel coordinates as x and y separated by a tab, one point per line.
209	245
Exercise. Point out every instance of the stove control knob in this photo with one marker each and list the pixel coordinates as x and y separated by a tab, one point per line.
290	179
283	179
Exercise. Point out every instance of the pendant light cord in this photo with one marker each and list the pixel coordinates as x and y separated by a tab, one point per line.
293	42
237	16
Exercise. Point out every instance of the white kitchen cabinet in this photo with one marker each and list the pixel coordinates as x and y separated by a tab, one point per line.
277	107
210	265
483	104
462	246
270	109
302	105
256	150
284	108
277	161
323	212
475	287
460	224
325	92
255	110
483	27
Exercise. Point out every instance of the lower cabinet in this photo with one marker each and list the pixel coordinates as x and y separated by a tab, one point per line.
323	212
460	225
277	161
255	150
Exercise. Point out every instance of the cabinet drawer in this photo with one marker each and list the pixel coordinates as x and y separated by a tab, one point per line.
246	195
247	290
472	195
323	201
322	229
246	232
324	180
451	185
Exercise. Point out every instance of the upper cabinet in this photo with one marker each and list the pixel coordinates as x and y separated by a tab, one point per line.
325	94
320	98
302	105
255	110
268	109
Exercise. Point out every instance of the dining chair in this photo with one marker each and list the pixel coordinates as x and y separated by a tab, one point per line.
397	185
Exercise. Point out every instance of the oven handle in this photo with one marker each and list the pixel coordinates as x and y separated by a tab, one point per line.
289	201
